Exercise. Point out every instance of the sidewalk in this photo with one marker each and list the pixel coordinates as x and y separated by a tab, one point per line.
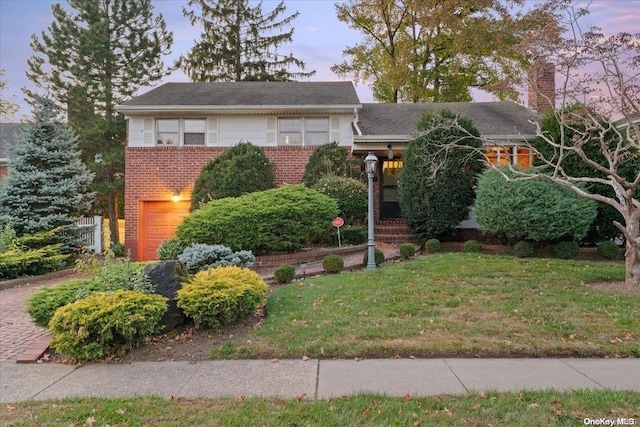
312	379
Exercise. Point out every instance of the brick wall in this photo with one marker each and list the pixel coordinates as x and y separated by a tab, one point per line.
541	85
4	171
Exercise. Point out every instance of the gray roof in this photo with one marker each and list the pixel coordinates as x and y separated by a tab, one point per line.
249	94
490	118
8	135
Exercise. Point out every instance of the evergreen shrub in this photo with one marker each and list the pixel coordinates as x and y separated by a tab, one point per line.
220	296
171	248
89	328
333	264
115	273
327	159
43	303
7	237
350	235
407	251
432	246
117	249
378	255
282	219
523	249
19	262
284	274
472	246
566	249
608	250
199	256
350	194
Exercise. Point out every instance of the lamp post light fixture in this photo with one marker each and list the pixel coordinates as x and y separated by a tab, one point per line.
370	167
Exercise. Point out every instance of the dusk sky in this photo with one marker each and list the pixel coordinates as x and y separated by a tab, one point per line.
318	40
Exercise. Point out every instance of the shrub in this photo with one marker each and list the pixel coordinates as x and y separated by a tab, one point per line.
350	235
378	255
608	250
566	249
432	246
472	246
115	273
7	237
203	257
117	249
332	264
284	274
18	262
242	169
349	193
43	303
220	296
279	220
87	329
407	250
523	249
327	159
171	248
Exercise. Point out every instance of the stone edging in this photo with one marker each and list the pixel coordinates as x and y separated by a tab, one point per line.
271	261
14	283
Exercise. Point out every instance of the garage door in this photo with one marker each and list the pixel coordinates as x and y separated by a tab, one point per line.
159	221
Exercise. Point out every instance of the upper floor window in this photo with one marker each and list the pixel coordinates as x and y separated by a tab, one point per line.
303	131
194	132
168	131
290	131
509	155
180	131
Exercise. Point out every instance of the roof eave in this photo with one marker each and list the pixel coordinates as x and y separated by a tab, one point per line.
238	109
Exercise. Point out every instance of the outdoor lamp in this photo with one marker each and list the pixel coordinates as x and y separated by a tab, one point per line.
370	167
390	152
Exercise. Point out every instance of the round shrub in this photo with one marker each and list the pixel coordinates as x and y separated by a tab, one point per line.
566	250
43	303
117	249
242	169
523	249
407	250
332	264
220	296
349	193
284	274
171	248
327	159
432	246
608	250
472	246
203	257
282	219
378	255
88	328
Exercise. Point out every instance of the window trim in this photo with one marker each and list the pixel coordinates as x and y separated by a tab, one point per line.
182	124
303	132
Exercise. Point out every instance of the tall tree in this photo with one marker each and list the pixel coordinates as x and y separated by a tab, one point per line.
95	55
7	107
435	50
48	186
240	43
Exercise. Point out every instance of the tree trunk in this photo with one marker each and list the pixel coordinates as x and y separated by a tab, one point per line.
112	212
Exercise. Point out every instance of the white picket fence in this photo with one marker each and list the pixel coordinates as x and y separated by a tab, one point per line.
91	232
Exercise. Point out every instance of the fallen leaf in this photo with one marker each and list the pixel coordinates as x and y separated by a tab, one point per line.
240	398
275	360
90	421
534	405
121	411
407	396
306	358
11	409
301	396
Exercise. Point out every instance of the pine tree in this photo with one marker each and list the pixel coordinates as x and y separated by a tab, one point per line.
240	43
48	186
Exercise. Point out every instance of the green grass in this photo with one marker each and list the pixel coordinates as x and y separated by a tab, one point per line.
532	408
450	305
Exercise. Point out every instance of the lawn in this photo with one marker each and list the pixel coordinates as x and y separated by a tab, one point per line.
450	305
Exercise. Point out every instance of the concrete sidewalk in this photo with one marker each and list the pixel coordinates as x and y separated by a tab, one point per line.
312	379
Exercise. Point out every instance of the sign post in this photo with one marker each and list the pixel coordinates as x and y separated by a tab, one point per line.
337	223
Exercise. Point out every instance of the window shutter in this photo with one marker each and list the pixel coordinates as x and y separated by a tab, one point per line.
272	128
148	130
212	131
334	125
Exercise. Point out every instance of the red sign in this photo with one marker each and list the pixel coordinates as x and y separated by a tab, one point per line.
338	222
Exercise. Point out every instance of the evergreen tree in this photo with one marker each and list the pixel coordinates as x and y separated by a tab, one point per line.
48	186
97	54
240	43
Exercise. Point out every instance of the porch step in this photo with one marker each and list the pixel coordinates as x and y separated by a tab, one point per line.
393	232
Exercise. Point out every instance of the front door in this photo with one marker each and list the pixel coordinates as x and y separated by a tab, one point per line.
389	201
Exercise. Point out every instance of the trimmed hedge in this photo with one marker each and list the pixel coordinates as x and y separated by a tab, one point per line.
43	303
432	246
523	249
566	249
472	246
278	220
332	264
608	250
349	193
407	251
284	274
18	262
378	255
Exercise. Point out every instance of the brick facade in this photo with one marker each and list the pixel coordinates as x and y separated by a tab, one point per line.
541	86
4	171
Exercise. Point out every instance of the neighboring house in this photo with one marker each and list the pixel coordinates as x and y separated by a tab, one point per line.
8	134
177	128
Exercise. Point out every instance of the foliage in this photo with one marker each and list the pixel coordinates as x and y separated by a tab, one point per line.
115	273
284	274
88	328
407	251
536	209
472	246
282	219
220	296
432	246
7	107
608	250
240	43
7	237
199	256
377	254
241	169
434	50
171	248
47	186
352	235
18	262
350	194
436	185
523	249
117	249
44	302
333	264
566	249
327	159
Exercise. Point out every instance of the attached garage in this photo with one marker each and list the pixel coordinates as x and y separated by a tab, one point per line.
158	222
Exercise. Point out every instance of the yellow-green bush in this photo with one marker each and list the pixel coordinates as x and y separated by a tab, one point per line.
222	295
44	302
88	328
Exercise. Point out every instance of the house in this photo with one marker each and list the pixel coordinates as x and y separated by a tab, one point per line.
177	128
8	134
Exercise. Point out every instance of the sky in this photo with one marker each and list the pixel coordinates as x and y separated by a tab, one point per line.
318	40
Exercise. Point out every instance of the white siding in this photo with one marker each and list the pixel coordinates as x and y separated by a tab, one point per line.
136	132
232	130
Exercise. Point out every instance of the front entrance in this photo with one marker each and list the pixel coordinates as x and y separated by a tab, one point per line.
389	201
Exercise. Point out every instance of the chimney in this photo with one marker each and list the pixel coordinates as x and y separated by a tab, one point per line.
541	81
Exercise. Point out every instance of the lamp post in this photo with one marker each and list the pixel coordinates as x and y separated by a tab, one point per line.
370	167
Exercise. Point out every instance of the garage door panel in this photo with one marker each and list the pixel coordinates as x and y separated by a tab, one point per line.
159	221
